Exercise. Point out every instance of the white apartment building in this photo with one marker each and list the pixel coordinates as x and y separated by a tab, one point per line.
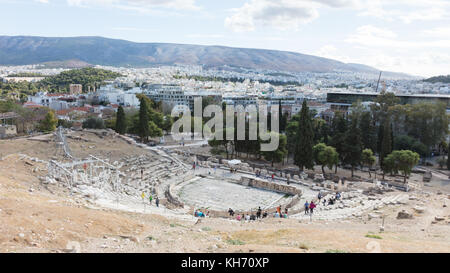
114	95
174	95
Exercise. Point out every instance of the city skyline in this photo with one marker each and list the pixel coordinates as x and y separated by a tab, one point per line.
405	36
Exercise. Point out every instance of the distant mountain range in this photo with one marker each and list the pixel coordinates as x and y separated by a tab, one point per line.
82	51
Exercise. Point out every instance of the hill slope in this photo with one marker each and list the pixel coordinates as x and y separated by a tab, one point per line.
441	79
21	50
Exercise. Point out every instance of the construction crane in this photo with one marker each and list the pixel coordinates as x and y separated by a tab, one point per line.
378	83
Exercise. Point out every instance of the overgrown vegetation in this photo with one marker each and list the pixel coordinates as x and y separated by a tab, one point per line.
89	76
92	77
26	74
94	123
398	134
373	236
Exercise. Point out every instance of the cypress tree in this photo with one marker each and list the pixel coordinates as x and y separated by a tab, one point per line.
280	117
144	129
448	157
392	137
368	132
303	156
386	145
121	122
353	145
380	138
339	129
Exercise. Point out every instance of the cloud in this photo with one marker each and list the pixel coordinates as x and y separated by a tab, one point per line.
371	36
42	1
340	3
132	29
205	36
138	5
331	52
424	15
279	14
439	32
291	14
406	11
422	63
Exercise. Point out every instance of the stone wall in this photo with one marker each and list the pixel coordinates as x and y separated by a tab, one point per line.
171	197
8	131
260	184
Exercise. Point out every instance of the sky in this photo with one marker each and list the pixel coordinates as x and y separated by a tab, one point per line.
410	36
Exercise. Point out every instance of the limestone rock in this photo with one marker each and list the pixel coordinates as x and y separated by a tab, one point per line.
373	215
404	215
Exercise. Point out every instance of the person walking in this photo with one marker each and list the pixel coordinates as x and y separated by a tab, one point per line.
157	201
306	207
279	209
311	207
150	198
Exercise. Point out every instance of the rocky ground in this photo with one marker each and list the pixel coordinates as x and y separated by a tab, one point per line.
36	217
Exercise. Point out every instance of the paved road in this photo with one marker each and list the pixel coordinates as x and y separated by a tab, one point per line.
198	143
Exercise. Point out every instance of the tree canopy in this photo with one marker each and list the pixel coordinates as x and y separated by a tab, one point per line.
402	161
303	156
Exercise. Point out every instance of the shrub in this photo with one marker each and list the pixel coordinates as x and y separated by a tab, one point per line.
94	123
373	236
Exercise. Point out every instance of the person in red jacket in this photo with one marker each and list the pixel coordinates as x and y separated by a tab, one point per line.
312	206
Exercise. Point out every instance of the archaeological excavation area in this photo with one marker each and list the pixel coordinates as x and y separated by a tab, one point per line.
94	187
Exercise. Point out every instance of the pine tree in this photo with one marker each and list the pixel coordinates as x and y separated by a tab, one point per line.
303	156
325	155
121	122
48	124
144	130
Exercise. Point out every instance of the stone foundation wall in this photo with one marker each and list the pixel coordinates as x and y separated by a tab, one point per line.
260	184
171	197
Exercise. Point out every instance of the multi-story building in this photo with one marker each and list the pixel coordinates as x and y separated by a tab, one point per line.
174	96
343	101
